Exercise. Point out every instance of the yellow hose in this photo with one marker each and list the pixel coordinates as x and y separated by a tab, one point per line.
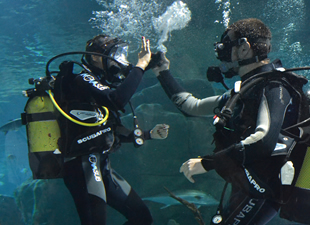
76	121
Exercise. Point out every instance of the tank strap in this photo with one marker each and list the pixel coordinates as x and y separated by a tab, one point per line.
33	117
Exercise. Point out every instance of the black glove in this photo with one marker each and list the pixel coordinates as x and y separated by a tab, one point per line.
155	60
208	162
161	63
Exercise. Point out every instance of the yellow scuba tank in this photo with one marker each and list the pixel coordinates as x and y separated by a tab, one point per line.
43	133
303	180
298	204
41	115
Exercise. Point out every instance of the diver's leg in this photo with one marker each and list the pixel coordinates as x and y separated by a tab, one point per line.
124	199
87	189
241	209
266	213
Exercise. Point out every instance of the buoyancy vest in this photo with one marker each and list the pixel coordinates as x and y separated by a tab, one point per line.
44	126
254	179
51	137
76	139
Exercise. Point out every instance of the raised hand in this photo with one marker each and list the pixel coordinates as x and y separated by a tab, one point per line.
144	56
162	65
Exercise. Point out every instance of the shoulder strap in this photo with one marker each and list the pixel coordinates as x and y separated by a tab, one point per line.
64	76
226	112
291	80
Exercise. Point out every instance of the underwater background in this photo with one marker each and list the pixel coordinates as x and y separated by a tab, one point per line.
33	31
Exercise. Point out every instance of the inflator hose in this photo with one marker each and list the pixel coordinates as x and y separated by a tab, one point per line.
76	121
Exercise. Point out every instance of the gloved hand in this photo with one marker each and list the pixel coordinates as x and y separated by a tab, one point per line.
192	167
164	64
144	56
160	131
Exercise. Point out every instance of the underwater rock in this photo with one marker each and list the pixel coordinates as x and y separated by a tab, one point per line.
9	212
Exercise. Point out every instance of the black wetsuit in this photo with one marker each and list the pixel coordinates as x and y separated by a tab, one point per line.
91	181
257	120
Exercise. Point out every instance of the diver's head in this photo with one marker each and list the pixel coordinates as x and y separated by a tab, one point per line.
115	66
243	43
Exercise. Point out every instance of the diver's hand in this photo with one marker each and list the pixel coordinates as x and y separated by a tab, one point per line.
192	167
160	131
144	56
162	65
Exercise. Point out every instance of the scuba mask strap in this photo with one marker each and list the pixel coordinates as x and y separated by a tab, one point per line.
214	73
226	66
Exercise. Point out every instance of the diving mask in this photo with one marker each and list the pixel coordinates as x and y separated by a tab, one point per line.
120	52
223	49
120	68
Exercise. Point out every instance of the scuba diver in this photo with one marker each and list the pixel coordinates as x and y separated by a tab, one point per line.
252	150
110	82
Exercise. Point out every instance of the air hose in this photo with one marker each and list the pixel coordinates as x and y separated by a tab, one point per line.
76	121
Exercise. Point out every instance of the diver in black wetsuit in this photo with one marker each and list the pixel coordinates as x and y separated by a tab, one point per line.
88	175
248	147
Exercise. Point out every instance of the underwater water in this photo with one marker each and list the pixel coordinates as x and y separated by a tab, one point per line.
33	31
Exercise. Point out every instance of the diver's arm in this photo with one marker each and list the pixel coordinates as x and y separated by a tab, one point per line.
111	98
123	93
185	101
119	97
272	110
